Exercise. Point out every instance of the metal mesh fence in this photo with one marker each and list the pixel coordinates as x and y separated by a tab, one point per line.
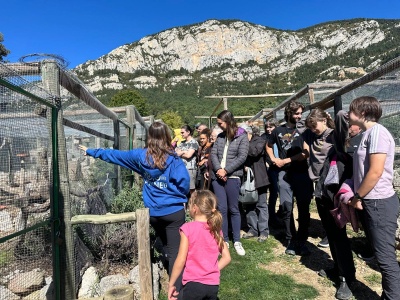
87	186
25	185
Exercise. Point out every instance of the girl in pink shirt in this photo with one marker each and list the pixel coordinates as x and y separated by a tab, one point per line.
200	247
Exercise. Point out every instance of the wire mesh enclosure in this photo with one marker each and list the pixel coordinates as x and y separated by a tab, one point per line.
45	113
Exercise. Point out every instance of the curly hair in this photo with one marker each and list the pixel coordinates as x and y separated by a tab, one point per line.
291	108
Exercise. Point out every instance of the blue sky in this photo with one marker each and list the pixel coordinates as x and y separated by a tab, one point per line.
87	29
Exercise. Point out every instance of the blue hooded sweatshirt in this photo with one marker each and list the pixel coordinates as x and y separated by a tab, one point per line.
164	191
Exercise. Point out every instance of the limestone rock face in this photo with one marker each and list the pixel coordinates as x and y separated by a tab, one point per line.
212	44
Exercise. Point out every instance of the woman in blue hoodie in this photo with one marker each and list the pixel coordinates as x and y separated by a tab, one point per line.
166	184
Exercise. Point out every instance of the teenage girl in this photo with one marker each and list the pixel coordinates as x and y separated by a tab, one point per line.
201	244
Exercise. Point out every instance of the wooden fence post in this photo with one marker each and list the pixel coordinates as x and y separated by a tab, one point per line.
143	238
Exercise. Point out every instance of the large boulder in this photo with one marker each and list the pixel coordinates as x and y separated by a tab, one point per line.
134	279
111	281
90	286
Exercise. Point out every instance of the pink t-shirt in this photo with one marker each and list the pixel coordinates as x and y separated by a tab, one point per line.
202	259
376	139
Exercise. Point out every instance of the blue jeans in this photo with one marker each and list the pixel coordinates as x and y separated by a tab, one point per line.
300	186
257	214
381	220
228	200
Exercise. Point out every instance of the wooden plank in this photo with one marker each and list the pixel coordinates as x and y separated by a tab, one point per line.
103	219
143	238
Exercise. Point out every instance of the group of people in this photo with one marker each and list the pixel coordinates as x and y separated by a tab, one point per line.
297	160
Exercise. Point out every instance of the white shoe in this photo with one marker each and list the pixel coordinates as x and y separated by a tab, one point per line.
227	245
239	248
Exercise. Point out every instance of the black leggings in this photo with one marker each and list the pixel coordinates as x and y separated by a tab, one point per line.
339	243
167	228
198	291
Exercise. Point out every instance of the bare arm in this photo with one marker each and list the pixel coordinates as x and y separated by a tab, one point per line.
186	154
377	165
281	162
225	258
178	266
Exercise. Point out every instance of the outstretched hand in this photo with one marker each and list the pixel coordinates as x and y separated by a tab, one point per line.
84	148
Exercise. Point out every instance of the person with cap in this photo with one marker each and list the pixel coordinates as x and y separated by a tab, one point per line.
257	213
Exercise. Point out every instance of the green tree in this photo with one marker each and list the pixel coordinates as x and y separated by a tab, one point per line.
3	51
130	97
171	118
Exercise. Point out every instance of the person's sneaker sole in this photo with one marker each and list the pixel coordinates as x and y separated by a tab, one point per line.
248	236
366	258
290	252
323	243
262	238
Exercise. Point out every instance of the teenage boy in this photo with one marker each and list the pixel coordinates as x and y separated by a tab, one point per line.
292	177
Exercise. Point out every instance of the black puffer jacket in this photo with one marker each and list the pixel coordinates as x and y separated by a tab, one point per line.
256	160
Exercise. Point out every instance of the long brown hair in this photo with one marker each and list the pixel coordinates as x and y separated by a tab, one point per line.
158	145
231	126
206	201
318	115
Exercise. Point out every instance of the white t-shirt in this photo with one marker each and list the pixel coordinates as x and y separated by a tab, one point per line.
376	139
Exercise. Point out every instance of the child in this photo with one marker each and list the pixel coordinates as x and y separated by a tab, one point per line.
201	243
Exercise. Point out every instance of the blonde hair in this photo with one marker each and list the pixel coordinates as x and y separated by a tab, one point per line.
206	201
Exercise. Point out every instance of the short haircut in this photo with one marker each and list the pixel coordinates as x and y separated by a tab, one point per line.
271	121
368	107
291	108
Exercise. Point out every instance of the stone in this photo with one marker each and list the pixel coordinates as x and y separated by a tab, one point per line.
25	283
111	281
7	294
90	284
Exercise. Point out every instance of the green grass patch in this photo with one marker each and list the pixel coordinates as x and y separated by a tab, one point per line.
246	279
374	279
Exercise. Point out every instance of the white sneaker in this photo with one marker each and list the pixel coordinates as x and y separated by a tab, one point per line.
239	248
227	245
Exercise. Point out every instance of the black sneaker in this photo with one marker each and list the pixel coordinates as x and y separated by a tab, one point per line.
366	257
331	274
343	292
324	243
291	248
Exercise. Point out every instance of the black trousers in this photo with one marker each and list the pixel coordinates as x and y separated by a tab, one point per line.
198	291
339	243
167	229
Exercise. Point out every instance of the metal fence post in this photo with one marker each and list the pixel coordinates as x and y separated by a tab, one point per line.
66	263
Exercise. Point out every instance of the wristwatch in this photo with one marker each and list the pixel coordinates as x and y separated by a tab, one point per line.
357	196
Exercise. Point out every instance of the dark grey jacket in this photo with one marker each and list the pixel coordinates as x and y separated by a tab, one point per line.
236	155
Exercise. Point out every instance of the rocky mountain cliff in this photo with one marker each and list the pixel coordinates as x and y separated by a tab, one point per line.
240	51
